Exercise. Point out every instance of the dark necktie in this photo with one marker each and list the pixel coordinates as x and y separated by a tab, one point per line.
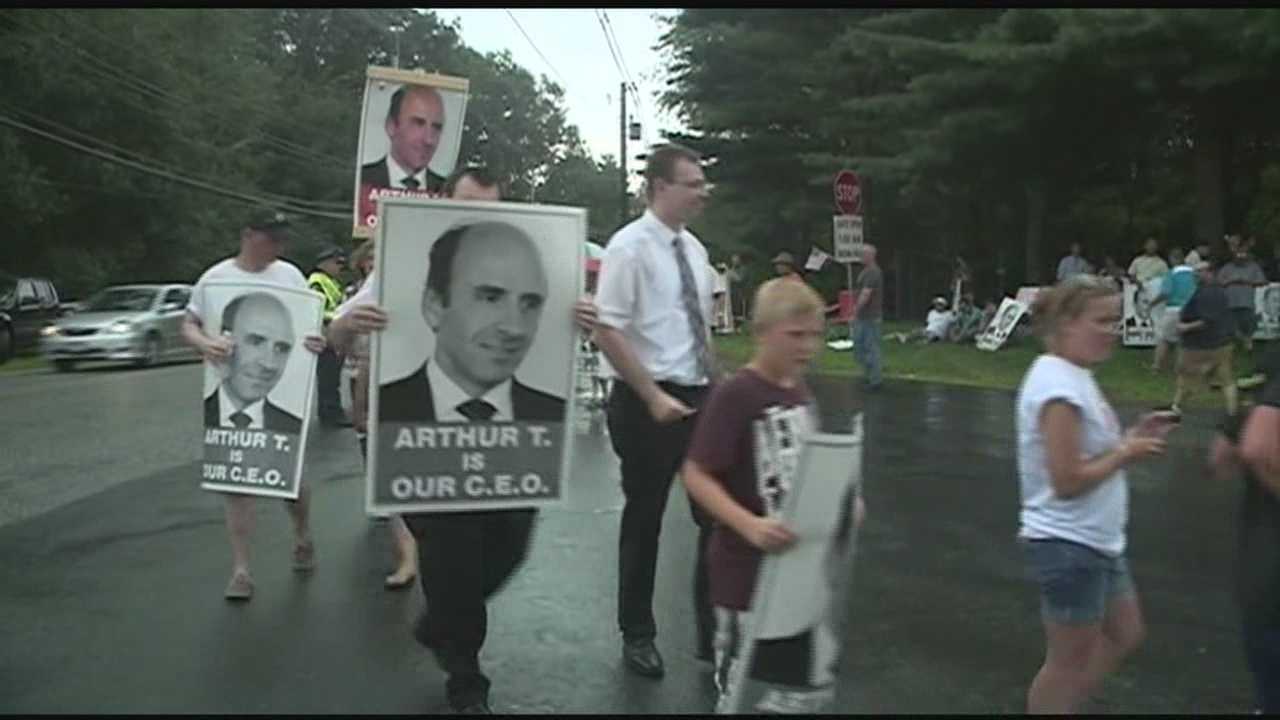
410	182
476	409
240	419
692	308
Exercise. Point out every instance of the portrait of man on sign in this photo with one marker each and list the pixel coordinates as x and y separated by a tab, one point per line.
483	300
411	132
261	328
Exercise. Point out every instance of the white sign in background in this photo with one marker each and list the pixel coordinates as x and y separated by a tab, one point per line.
847	237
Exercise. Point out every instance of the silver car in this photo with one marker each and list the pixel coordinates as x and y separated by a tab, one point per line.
136	323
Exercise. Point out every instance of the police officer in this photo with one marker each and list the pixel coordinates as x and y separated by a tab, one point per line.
328	264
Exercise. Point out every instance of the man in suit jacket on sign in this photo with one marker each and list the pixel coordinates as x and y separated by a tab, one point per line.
483	300
262	330
414	124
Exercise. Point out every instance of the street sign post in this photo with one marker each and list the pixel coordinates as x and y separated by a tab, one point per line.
847	225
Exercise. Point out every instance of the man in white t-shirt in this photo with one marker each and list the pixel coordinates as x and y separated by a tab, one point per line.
261	240
1149	265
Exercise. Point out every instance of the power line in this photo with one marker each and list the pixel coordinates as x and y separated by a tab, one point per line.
635	94
208	187
535	48
113	73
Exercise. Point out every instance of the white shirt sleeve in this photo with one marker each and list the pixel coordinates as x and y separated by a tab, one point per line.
616	291
195	304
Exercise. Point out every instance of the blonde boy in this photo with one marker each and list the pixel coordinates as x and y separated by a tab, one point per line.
742	485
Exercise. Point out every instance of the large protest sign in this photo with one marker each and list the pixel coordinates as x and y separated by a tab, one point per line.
1002	325
410	134
257	405
791	639
1267	311
1139	322
472	404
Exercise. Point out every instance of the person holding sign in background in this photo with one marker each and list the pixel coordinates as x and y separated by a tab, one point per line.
722	471
655	310
1071	458
464	558
261	240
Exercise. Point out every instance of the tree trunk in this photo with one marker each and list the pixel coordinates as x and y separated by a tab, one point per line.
1208	171
1035	232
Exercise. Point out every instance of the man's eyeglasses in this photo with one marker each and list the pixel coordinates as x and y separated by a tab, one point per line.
694	184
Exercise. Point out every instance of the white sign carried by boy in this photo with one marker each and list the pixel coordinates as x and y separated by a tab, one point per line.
1139	324
800	599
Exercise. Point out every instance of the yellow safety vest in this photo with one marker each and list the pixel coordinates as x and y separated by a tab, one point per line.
322	283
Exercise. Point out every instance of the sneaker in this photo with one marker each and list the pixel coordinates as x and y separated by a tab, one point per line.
304	557
240	587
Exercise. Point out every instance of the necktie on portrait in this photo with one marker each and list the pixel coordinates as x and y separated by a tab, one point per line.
240	419
693	309
476	409
411	183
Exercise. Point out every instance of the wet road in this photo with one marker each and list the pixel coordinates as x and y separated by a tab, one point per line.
112	565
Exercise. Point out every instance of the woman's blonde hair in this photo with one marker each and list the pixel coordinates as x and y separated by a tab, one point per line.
1065	301
784	298
360	254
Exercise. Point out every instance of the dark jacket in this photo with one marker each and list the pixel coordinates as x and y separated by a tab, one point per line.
375	175
273	418
410	400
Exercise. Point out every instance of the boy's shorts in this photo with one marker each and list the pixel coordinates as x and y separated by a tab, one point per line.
1076	582
1167	325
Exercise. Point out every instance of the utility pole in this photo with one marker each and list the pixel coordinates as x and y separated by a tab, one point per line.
622	153
396	30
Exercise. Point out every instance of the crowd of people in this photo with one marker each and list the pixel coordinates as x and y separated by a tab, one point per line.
672	412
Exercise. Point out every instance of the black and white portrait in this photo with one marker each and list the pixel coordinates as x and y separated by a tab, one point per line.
262	331
481	296
410	135
256	404
1002	325
1268	304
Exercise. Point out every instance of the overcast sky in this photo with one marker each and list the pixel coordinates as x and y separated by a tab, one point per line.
574	45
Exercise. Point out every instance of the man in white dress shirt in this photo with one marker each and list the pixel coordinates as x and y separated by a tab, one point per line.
654	301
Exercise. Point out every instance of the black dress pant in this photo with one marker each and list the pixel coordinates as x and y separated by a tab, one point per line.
328	377
463	559
651	454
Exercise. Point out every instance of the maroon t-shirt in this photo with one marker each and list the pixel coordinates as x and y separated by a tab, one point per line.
741	413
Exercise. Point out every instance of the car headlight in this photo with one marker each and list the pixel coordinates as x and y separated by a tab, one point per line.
121	327
50	331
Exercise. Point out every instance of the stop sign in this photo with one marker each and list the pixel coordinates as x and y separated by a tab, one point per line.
848	193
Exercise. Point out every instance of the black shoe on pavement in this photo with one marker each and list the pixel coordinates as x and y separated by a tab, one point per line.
479	707
642	658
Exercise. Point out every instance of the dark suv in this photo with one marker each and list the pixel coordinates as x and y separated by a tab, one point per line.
26	306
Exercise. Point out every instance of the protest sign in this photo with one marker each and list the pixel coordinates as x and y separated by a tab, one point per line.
1267	311
1002	325
1139	322
257	405
472	380
410	133
791	638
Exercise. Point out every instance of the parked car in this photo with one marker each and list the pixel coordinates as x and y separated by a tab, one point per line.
136	323
27	304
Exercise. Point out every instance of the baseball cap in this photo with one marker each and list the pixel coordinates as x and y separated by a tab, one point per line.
939	300
268	220
329	253
784	257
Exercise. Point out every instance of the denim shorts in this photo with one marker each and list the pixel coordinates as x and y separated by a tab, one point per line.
1075	581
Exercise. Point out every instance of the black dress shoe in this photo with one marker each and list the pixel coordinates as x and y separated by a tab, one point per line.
642	658
479	707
